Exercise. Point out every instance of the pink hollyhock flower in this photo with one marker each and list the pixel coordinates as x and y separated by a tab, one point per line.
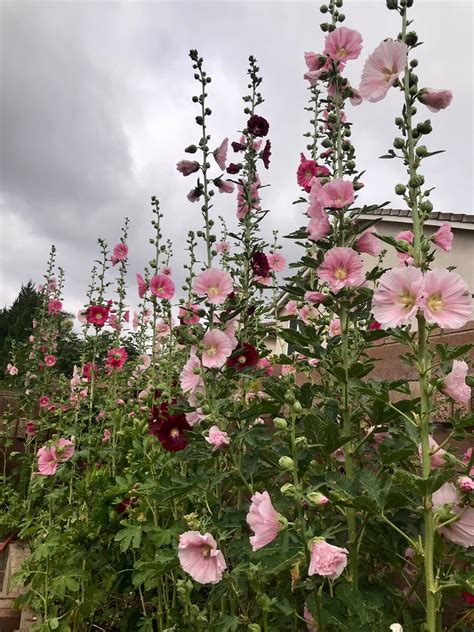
378	437
467	458
466	484
162	286
369	244
356	97
12	370
314	297
462	530
88	370
220	154
142	286
194	195
338	193
166	270
437	454
341	267
230	328
47	461
263	520
44	401
52	285
188	314
54	306
291	308
116	358
327	124
405	236
215	284
319	227
223	246
435	100
126	316
199	557
97	315
310	622
30	429
120	253
244	205
338	455
224	186
446	299
64	450
314	61
217	348
106	436
335	327
187	167
443	237
454	384
308	314
81	316
217	438
266	365
307	170
343	44
191	377
276	261
260	280
382	69
397	296
316	204
50	360
327	560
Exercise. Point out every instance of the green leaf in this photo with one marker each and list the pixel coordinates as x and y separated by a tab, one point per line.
130	537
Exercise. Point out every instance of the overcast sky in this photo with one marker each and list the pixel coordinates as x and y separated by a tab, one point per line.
95	110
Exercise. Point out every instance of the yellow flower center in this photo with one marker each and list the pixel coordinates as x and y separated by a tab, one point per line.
388	74
407	300
340	274
211	351
435	303
241	359
174	433
341	52
206	550
213	291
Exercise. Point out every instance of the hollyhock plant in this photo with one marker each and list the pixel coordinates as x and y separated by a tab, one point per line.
382	69
276	262
461	531
187	167
162	286
397	296
54	306
343	44
338	193
214	284
216	349
454	384
116	358
44	401
30	429
257	125
368	243
335	327
223	247
97	315
263	520
291	308
220	154
327	560
199	557
446	299
217	438
435	100
443	237
120	253
341	267
243	358
47	461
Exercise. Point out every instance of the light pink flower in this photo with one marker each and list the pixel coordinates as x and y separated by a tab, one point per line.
435	100
446	299
378	437
199	557
335	327
263	520
339	455
466	484
397	295
314	61
120	253
223	246
64	449
382	69
404	257
224	186
368	243
217	348
82	316
230	327
319	227
356	97
187	167
49	360
276	262
341	267
12	370
217	438
343	44
462	530
443	237
316	204
266	365
215	284
142	286
437	454
327	560
106	436
116	358
466	460
188	314
338	193
454	384
162	286
191	378
310	622
166	270
47	461
54	306
220	154
291	308
308	314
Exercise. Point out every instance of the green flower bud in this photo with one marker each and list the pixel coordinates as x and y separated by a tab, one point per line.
411	38
350	165
301	442
297	407
341	17
317	499
280	423
399	121
414	63
425	127
400	189
326	143
323	8
426	206
392	4
254	627
289	490
399	143
191	149
421	150
290	397
416	181
286	463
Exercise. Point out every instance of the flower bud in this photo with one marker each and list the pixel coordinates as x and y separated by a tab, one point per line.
280	423
323	8
416	181
399	121
317	499
288	489
425	127
301	442
400	189
286	463
289	397
191	149
426	206
399	143
392	4
254	627
297	407
411	38
421	150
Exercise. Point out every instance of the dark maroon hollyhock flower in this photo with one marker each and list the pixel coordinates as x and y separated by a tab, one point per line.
375	325
266	153
173	433
237	146
243	358
257	125
233	168
468	598
124	505
260	265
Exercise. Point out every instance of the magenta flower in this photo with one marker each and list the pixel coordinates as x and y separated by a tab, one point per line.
446	299
217	438
314	61
217	348
462	530
191	378
142	286
382	69
327	560
343	44
44	401
435	100
116	358
443	237
276	262
369	244
199	557
466	484
338	193
319	227
246	356
47	461
263	520
30	429
454	384
187	167
341	267
397	296
49	360
162	286
120	253
220	154
214	284
97	315
54	306
307	170
316	204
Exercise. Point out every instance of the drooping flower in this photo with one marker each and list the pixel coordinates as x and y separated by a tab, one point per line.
54	306
162	286
338	193
369	244
224	186
314	297
215	284
308	314
316	204
397	295
446	299
435	100
341	267
356	97
327	560
11	369
335	327
243	358
233	168
106	436
382	69
343	44
248	199
454	384
47	461
97	315
64	449
191	378
217	438
194	194
263	520
259	264
116	358
199	557
220	154
266	153
319	227
30	429
461	531
443	237
223	246
120	253
187	167
307	170
257	125
217	348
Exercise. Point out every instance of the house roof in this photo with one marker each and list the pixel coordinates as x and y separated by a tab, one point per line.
459	218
